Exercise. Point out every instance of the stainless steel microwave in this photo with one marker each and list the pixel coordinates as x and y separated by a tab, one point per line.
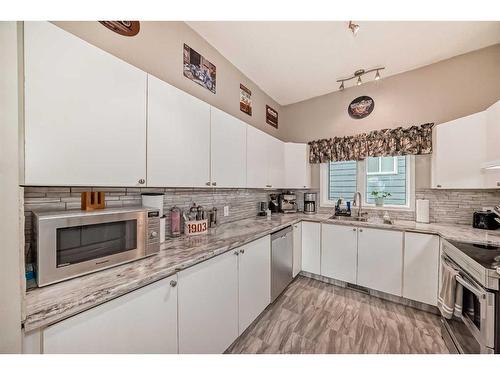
74	243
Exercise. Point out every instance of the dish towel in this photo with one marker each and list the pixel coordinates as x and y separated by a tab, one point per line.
450	296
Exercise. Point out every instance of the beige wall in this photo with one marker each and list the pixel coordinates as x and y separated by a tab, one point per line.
10	278
157	49
436	93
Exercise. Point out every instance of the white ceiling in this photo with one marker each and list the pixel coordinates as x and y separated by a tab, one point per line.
297	60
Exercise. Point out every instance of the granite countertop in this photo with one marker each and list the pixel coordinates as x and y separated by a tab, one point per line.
52	303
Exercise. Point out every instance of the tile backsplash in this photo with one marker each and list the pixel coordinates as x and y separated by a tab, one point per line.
446	206
243	203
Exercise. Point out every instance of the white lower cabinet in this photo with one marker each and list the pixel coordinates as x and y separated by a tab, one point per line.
380	260
311	247
143	321
421	267
208	305
297	249
339	252
254	276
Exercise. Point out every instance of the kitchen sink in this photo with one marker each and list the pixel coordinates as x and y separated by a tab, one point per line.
349	218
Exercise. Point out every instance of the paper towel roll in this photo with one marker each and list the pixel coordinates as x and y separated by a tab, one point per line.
422	211
162	229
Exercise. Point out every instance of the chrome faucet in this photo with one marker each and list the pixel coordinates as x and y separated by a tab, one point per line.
355	202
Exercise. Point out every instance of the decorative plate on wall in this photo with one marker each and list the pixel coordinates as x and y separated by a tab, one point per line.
125	28
361	107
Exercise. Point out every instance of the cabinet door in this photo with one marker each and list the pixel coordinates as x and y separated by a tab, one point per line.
421	267
208	305
276	178
339	252
143	321
297	249
257	158
492	176
311	251
254	271
85	112
459	150
380	260
178	137
297	167
228	150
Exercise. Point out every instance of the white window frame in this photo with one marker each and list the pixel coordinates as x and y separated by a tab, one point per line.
380	173
361	187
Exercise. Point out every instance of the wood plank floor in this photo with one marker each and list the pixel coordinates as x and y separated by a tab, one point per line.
316	317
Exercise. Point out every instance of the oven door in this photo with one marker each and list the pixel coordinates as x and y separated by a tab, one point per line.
478	311
474	331
70	246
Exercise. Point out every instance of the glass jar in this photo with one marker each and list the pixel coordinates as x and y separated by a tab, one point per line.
175	221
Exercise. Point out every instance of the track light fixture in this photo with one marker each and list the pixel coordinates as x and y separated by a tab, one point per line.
358	74
353	27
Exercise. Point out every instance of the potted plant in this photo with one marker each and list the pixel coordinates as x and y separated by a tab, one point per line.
379	197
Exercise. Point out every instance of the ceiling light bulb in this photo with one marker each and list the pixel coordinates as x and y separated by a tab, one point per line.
359	81
341	86
377	76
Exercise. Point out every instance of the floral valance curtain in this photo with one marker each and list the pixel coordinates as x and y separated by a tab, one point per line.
415	140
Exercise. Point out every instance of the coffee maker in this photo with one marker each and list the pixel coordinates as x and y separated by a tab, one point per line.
288	202
310	203
274	205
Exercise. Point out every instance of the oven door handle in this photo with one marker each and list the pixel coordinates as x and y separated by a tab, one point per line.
478	292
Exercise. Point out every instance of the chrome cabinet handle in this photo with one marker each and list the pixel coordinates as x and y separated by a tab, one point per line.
354	229
214	183
236	253
439	186
242	251
361	230
173	283
207	183
268	185
142	181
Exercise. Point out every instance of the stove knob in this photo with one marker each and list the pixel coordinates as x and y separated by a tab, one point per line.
153	234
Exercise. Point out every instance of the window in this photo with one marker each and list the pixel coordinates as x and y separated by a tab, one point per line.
382	165
390	178
383	174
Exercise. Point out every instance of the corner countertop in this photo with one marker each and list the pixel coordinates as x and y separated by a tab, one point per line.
55	302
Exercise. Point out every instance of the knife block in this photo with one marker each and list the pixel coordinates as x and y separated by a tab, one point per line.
93	200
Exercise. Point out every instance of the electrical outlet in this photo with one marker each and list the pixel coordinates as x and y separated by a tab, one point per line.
226	210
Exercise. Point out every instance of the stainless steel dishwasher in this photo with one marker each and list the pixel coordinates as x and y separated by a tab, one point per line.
281	261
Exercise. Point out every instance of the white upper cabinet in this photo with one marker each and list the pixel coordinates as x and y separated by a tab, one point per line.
380	260
339	252
228	150
178	137
421	267
276	166
492	176
459	149
265	160
85	112
143	321
297	167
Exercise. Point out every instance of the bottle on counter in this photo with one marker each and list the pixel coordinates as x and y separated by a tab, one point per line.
175	221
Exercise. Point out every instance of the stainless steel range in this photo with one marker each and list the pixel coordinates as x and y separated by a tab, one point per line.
478	328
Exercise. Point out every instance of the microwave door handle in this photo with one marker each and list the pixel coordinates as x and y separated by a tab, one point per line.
479	293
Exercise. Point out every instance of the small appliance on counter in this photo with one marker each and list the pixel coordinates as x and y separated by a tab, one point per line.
155	200
74	243
263	207
288	202
486	219
310	203
274	204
